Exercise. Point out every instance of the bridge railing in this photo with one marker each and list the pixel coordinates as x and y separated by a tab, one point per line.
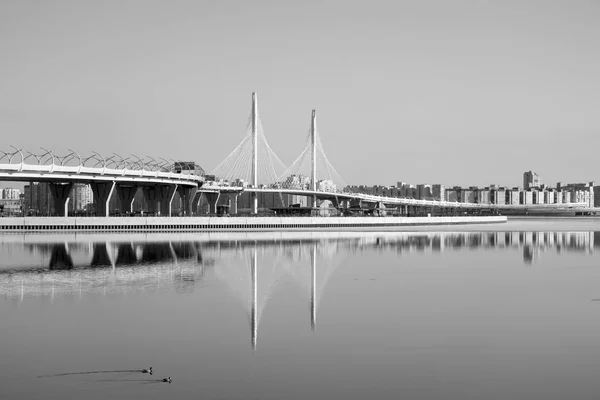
85	170
10	167
439	203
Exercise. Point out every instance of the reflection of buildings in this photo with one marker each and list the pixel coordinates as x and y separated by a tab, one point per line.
531	242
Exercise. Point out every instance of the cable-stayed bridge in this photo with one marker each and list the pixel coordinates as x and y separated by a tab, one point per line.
252	167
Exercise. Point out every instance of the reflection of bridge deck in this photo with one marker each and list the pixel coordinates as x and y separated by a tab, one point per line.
88	281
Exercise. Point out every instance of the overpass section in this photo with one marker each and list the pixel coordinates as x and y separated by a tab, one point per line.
159	180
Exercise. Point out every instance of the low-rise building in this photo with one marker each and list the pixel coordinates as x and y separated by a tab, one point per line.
558	197
453	194
10	194
513	196
484	196
498	195
468	195
580	192
526	197
537	196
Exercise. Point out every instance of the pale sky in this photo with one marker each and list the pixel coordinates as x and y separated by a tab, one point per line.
452	92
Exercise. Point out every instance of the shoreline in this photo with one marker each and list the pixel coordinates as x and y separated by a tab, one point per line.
200	224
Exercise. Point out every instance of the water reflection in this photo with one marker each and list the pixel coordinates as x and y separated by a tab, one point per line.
107	267
121	264
250	265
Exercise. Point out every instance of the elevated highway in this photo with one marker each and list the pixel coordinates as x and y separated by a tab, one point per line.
378	201
159	180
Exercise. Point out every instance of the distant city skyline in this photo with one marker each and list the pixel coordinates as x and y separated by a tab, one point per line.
467	93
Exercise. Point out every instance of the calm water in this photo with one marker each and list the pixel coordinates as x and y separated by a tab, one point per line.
494	312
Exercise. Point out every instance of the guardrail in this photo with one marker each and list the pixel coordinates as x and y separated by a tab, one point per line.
14	170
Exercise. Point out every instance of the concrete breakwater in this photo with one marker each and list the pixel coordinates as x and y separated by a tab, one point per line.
154	224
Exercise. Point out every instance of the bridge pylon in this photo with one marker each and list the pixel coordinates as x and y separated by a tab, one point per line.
313	153
254	152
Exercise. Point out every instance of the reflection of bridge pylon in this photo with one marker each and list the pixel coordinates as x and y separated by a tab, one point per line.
313	288
243	280
253	312
252	282
319	276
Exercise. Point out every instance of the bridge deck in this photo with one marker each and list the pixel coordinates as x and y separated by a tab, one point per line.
393	200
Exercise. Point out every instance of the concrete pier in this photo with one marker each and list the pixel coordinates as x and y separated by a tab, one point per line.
102	193
126	195
60	194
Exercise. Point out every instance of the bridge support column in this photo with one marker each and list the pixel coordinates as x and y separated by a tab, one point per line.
254	202
345	204
356	203
381	209
213	200
151	194
371	207
166	202
233	206
126	195
229	199
60	195
195	201
187	195
102	192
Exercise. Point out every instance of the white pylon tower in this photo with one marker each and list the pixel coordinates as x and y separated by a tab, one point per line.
253	160
311	166
313	139
254	152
